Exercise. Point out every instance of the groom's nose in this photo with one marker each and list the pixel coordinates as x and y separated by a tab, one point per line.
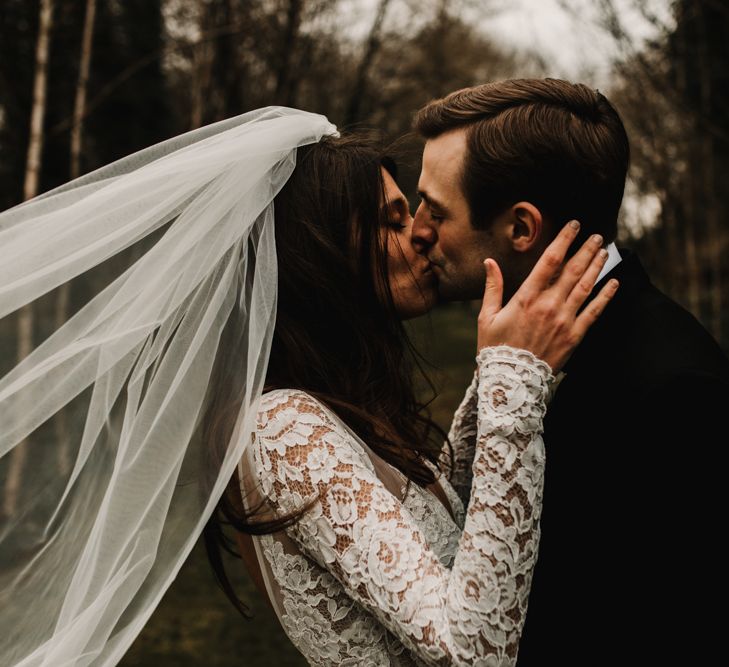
424	234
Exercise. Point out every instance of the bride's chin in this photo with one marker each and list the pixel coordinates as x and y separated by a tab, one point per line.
418	303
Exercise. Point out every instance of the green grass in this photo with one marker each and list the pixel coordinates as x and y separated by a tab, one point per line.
195	624
447	339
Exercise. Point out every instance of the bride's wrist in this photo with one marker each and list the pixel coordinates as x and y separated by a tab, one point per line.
516	356
514	387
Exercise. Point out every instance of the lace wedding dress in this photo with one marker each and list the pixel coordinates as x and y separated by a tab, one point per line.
374	576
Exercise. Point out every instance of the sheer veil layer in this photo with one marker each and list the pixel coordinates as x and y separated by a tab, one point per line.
106	480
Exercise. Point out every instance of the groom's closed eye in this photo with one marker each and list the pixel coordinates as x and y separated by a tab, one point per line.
436	210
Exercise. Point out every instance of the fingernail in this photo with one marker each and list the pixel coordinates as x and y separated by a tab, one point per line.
614	284
603	253
574	224
596	239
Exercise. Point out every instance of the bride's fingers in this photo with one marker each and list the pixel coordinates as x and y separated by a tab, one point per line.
594	309
586	282
575	269
550	263
493	293
492	300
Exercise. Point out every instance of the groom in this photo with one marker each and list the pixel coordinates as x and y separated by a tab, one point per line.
628	568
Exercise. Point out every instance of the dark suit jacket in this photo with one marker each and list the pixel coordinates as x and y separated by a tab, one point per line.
629	567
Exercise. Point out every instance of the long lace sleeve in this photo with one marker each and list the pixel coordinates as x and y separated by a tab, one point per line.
365	537
462	436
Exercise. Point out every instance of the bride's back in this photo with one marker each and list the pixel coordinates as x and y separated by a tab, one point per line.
338	336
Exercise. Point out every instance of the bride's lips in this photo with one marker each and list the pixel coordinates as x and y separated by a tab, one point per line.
428	270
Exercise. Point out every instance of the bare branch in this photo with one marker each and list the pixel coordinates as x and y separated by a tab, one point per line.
374	41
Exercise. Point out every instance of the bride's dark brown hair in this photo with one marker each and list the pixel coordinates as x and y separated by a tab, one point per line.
335	338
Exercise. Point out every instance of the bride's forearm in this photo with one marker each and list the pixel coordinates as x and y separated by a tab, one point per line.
499	544
471	613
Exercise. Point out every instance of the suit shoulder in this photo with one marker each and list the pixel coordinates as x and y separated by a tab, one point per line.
668	340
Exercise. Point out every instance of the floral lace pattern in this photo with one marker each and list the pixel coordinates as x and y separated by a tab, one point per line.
457	460
389	582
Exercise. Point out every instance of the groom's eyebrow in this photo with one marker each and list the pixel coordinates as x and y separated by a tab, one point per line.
433	203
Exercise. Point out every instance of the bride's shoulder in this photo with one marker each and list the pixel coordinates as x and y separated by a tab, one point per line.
289	406
277	397
298	436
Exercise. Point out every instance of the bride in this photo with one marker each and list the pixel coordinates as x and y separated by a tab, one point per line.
244	371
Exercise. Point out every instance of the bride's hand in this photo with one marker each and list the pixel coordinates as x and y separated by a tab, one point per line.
542	316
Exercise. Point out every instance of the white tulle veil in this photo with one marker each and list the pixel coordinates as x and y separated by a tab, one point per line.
161	251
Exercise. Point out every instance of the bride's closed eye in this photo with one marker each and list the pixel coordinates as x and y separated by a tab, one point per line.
395	217
397	213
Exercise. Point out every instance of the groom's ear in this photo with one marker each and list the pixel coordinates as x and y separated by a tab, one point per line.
527	228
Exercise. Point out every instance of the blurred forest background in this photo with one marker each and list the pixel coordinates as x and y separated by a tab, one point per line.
84	82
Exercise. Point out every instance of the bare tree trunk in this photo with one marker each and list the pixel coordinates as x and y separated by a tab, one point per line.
692	262
32	177
229	56
234	56
374	42
201	69
440	82
693	288
79	108
673	282
62	300
196	92
713	232
35	145
284	75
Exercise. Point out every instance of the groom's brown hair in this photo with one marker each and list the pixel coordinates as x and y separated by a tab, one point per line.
559	145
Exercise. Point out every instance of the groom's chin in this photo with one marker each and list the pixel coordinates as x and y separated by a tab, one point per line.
456	298
449	293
